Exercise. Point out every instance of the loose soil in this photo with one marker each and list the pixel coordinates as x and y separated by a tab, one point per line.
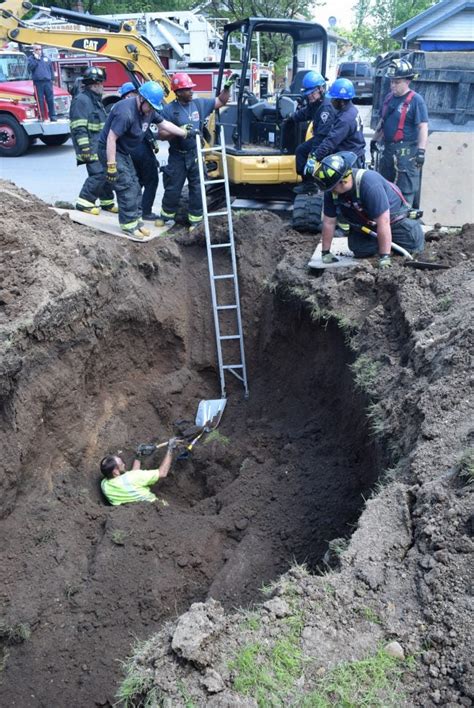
106	344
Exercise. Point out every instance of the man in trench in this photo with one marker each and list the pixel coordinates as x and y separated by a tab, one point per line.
122	487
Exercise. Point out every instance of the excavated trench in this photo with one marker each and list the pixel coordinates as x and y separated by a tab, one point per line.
113	359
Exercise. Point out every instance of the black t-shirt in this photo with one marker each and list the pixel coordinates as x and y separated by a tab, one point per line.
417	113
128	124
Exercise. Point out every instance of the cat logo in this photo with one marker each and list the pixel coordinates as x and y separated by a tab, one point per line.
90	44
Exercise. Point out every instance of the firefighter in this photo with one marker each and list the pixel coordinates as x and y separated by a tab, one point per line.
87	116
346	131
144	161
365	199
403	130
124	129
182	161
321	113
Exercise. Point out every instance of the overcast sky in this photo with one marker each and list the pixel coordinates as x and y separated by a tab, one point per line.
341	10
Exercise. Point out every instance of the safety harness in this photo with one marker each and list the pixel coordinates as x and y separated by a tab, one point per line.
403	113
356	205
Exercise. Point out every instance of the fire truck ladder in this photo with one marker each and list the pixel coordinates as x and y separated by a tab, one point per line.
224	285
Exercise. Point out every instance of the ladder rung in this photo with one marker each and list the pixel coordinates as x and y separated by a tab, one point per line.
214	181
215	148
226	307
221	245
230	336
218	213
224	277
233	366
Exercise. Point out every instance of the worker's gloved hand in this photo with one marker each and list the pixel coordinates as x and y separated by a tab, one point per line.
190	131
374	146
311	167
172	444
111	172
420	157
385	261
230	81
145	450
328	257
85	154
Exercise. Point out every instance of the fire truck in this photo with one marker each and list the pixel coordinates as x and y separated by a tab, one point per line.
21	121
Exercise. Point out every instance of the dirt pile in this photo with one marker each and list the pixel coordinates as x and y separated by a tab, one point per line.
105	344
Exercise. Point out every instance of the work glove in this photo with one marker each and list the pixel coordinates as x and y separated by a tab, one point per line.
230	81
190	131
374	146
145	450
328	257
85	154
385	261
172	444
111	172
420	157
311	167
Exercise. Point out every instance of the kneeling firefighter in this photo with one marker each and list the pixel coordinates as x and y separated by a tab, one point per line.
367	202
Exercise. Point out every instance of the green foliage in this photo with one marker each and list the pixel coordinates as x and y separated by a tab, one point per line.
216	436
365	372
118	537
14	633
374	21
136	691
374	682
377	422
369	614
444	303
466	467
109	7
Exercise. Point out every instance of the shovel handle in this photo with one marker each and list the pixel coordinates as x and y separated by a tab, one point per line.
395	246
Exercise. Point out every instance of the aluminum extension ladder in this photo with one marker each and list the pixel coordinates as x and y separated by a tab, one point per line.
226	302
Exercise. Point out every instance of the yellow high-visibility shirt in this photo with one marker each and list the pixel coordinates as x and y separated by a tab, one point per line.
132	486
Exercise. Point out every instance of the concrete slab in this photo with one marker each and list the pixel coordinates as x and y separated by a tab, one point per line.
448	179
107	223
339	248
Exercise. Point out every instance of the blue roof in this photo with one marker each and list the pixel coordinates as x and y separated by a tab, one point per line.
435	14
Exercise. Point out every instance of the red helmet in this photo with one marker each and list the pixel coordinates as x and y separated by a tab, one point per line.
181	81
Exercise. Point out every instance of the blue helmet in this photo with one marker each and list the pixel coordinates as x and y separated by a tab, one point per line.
342	88
152	92
125	88
311	81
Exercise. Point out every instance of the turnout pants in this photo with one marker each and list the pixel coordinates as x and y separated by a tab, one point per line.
397	164
127	188
146	167
182	166
406	233
44	89
96	186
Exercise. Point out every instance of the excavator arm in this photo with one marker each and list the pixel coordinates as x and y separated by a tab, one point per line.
115	40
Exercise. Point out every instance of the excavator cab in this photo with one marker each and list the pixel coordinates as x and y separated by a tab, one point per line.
260	145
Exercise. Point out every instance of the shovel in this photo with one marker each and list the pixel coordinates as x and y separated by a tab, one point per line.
410	261
208	417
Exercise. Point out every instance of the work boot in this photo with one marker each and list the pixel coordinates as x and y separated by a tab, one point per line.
136	232
53	119
111	208
151	216
163	221
305	188
88	210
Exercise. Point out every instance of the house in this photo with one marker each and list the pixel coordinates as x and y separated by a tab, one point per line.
446	26
309	56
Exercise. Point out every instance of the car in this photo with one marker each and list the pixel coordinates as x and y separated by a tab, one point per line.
361	73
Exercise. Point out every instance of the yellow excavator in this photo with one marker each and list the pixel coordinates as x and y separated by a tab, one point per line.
260	145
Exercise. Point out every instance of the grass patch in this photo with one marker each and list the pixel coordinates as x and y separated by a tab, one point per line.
14	633
374	682
365	371
118	537
466	467
136	691
268	672
444	303
216	436
369	614
378	425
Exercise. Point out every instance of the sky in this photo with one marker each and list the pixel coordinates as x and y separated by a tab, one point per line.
341	10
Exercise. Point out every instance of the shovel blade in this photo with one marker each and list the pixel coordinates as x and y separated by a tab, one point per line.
209	413
425	265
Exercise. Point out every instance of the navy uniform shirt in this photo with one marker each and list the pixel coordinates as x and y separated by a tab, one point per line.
321	113
376	196
193	113
417	113
346	133
128	124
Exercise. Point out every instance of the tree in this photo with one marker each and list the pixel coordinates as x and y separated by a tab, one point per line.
375	19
